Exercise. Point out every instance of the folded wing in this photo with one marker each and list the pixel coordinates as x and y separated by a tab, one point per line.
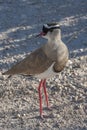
35	63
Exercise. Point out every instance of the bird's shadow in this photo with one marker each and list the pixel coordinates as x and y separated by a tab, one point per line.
45	116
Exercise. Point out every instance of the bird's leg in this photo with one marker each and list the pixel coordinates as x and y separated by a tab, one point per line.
45	92
46	95
40	97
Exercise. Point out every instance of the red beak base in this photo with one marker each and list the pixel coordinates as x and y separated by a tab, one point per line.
40	34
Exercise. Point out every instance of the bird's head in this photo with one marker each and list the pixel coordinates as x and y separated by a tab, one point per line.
50	31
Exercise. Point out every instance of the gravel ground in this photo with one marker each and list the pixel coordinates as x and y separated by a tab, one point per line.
19	107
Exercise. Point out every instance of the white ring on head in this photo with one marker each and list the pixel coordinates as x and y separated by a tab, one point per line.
57	25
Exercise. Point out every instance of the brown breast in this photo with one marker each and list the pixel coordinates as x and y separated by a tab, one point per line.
62	59
59	66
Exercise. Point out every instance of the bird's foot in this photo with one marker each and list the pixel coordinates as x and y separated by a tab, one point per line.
49	108
42	116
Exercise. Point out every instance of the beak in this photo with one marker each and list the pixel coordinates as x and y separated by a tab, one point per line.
40	34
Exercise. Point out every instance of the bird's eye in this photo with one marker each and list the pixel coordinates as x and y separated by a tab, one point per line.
51	30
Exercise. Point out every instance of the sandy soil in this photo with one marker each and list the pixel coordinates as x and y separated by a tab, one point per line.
19	105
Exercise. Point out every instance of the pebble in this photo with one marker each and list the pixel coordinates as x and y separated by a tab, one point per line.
18	115
81	50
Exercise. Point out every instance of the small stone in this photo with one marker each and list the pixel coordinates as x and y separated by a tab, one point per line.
76	98
24	114
18	115
58	115
56	80
81	50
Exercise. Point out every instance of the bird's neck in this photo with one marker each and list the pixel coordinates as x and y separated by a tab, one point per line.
55	39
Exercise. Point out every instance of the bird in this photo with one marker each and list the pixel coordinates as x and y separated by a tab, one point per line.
46	61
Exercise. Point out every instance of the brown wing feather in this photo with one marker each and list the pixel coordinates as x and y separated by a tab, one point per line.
35	63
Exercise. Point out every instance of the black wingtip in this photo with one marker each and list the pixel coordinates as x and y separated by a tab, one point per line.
6	74
3	73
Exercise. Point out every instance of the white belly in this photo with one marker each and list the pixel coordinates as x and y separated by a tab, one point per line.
47	74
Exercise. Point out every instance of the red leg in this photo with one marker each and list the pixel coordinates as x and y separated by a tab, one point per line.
45	92
40	97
